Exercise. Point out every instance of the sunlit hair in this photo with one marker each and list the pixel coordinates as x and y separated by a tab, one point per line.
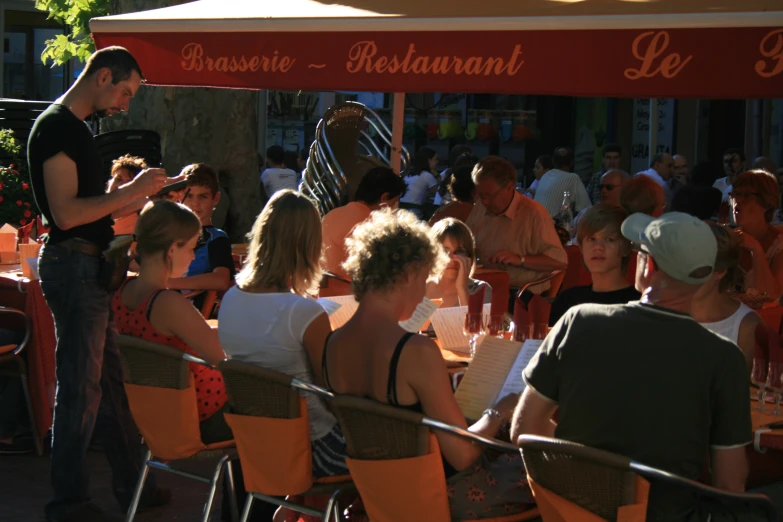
495	168
132	164
458	232
388	246
160	225
607	219
641	194
201	175
765	186
728	258
119	60
285	246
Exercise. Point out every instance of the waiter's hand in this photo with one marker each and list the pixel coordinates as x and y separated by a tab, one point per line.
504	257
149	182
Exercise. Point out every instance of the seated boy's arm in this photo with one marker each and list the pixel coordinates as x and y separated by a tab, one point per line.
218	279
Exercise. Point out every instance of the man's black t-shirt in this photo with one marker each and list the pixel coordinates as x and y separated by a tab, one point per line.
58	130
585	294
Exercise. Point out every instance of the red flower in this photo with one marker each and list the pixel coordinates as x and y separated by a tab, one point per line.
18	202
474	494
22	222
25	186
27	213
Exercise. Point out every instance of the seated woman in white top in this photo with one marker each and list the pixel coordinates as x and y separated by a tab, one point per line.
714	307
267	320
421	181
456	283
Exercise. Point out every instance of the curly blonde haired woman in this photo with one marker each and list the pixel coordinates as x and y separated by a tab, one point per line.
266	319
390	258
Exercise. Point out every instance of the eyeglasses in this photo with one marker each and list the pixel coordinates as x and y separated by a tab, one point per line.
606	186
742	195
484	198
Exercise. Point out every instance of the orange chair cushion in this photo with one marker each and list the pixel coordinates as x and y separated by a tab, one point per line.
403	489
555	508
276	455
168	420
500	282
8	348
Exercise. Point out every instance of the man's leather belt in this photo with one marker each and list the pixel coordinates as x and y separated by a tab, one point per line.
81	246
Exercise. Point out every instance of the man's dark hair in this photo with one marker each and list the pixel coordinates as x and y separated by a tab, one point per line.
456	152
563	158
699	201
119	61
612	147
546	161
461	184
275	154
202	175
658	158
733	151
376	183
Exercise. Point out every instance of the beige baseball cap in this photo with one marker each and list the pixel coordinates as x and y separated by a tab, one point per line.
682	245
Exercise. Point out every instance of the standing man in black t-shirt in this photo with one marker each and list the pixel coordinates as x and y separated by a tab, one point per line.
69	188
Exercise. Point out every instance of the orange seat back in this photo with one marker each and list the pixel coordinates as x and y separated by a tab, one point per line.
555	508
576	274
331	287
630	274
276	455
539	310
167	418
403	489
500	282
772	316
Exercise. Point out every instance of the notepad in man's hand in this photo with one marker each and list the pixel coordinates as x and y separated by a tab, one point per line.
495	371
449	324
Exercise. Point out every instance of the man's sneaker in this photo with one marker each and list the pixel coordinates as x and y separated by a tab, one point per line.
20	446
88	513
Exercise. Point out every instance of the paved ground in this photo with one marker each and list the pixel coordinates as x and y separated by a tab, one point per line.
24	489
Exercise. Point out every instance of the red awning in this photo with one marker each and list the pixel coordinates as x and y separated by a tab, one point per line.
730	49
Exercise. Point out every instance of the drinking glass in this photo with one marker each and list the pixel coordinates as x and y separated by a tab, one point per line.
474	327
521	332
774	383
495	325
540	330
758	376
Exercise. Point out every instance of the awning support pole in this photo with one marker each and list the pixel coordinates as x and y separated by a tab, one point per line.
398	120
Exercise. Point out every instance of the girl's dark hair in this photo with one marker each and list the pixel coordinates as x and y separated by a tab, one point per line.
466	160
421	161
461	184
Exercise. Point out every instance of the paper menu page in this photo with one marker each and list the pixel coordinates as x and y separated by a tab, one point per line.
448	324
421	315
485	376
343	314
514	381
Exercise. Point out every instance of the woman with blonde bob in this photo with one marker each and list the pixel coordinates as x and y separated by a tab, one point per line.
390	258
713	305
166	234
267	318
605	253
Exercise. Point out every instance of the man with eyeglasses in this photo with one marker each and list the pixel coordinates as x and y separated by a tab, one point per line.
512	231
612	156
609	370
610	187
733	164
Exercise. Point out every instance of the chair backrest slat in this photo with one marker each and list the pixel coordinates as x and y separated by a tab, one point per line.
259	392
375	431
153	364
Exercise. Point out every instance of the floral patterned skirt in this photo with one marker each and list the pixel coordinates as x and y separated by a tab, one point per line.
494	486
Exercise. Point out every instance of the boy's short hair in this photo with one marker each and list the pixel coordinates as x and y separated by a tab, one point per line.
132	164
202	175
275	154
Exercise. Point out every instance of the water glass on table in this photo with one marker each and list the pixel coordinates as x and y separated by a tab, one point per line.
758	376
521	332
474	327
495	325
774	375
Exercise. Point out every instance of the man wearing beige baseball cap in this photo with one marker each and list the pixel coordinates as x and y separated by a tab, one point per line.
644	379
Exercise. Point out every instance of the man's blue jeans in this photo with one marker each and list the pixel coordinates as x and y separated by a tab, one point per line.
90	388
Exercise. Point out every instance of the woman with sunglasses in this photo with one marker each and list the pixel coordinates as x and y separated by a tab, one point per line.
755	198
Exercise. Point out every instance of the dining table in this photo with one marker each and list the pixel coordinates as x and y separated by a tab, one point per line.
22	293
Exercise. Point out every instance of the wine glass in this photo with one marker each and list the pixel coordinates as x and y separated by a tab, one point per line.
758	376
521	332
774	383
494	325
474	327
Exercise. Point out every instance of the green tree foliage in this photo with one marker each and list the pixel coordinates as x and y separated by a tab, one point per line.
74	16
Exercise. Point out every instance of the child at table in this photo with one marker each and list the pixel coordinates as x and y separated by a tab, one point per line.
456	284
166	234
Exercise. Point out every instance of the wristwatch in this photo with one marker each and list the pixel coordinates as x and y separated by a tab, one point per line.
522	260
492	413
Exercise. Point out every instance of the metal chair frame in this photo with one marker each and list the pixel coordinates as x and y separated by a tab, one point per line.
14	358
605	459
225	456
553	289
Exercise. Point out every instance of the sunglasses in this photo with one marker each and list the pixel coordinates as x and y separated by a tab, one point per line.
606	186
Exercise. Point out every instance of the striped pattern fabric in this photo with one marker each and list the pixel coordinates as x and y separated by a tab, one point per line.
329	454
552	186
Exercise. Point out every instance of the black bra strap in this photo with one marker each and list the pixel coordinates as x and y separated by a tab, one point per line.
324	371
391	387
152	301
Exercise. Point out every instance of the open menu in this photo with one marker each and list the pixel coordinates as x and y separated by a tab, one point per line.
341	308
495	371
448	324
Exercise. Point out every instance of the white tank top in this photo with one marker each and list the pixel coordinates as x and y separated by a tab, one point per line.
729	327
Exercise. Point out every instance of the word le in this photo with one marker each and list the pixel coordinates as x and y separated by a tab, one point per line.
773	51
193	59
668	66
362	57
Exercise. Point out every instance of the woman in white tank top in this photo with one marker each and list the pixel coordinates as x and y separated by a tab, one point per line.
715	308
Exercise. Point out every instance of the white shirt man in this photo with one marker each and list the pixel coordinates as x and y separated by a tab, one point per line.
557	181
660	170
